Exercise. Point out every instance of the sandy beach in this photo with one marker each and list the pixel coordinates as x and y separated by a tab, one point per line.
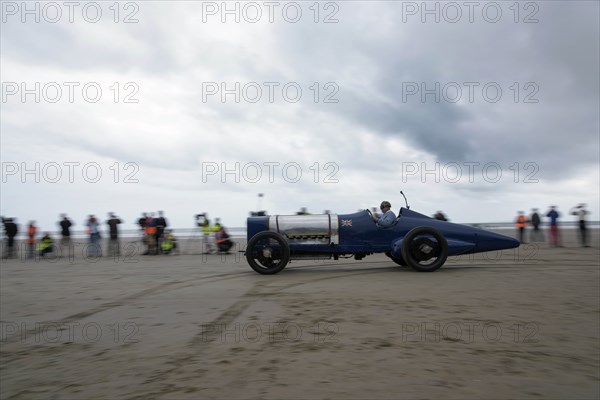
519	324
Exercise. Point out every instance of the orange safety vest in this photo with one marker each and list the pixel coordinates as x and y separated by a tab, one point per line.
150	230
31	231
521	221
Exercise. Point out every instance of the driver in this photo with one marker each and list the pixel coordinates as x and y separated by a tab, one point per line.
388	218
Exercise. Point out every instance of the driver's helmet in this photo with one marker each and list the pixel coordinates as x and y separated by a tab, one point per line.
385	204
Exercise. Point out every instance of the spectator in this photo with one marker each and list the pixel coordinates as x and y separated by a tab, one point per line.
10	229
114	246
161	224
204	223
93	229
222	239
31	233
536	234
169	242
554	215
521	223
581	212
46	245
142	224
65	230
151	235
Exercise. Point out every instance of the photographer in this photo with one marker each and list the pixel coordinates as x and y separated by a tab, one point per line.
222	239
204	223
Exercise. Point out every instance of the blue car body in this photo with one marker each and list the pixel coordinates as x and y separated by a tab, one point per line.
357	234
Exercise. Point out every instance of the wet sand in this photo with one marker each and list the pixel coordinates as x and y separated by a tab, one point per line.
515	324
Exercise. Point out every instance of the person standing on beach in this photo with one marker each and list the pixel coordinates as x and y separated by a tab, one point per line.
142	224
554	231
65	225
31	232
581	212
536	233
10	229
161	224
114	247
93	229
151	235
520	224
204	223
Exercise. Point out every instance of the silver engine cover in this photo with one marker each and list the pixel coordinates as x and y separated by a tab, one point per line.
307	229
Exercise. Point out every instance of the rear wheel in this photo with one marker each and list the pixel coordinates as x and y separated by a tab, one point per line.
268	252
424	249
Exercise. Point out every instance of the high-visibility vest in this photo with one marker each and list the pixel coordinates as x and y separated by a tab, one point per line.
167	245
521	221
44	244
207	229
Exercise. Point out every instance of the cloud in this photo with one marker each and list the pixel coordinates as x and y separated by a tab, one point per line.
379	91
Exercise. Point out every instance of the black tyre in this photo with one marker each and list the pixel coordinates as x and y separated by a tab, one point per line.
397	260
424	249
268	252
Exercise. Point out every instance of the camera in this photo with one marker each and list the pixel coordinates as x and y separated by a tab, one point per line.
201	219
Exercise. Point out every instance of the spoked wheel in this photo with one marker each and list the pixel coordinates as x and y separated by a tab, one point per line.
268	252
424	249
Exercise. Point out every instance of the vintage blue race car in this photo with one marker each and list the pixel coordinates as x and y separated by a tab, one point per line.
414	240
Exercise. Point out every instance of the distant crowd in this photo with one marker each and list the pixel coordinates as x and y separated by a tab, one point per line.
157	239
154	234
522	222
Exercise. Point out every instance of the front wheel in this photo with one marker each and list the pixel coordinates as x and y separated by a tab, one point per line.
268	252
424	249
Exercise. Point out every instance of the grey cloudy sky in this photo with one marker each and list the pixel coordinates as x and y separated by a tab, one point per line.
499	99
